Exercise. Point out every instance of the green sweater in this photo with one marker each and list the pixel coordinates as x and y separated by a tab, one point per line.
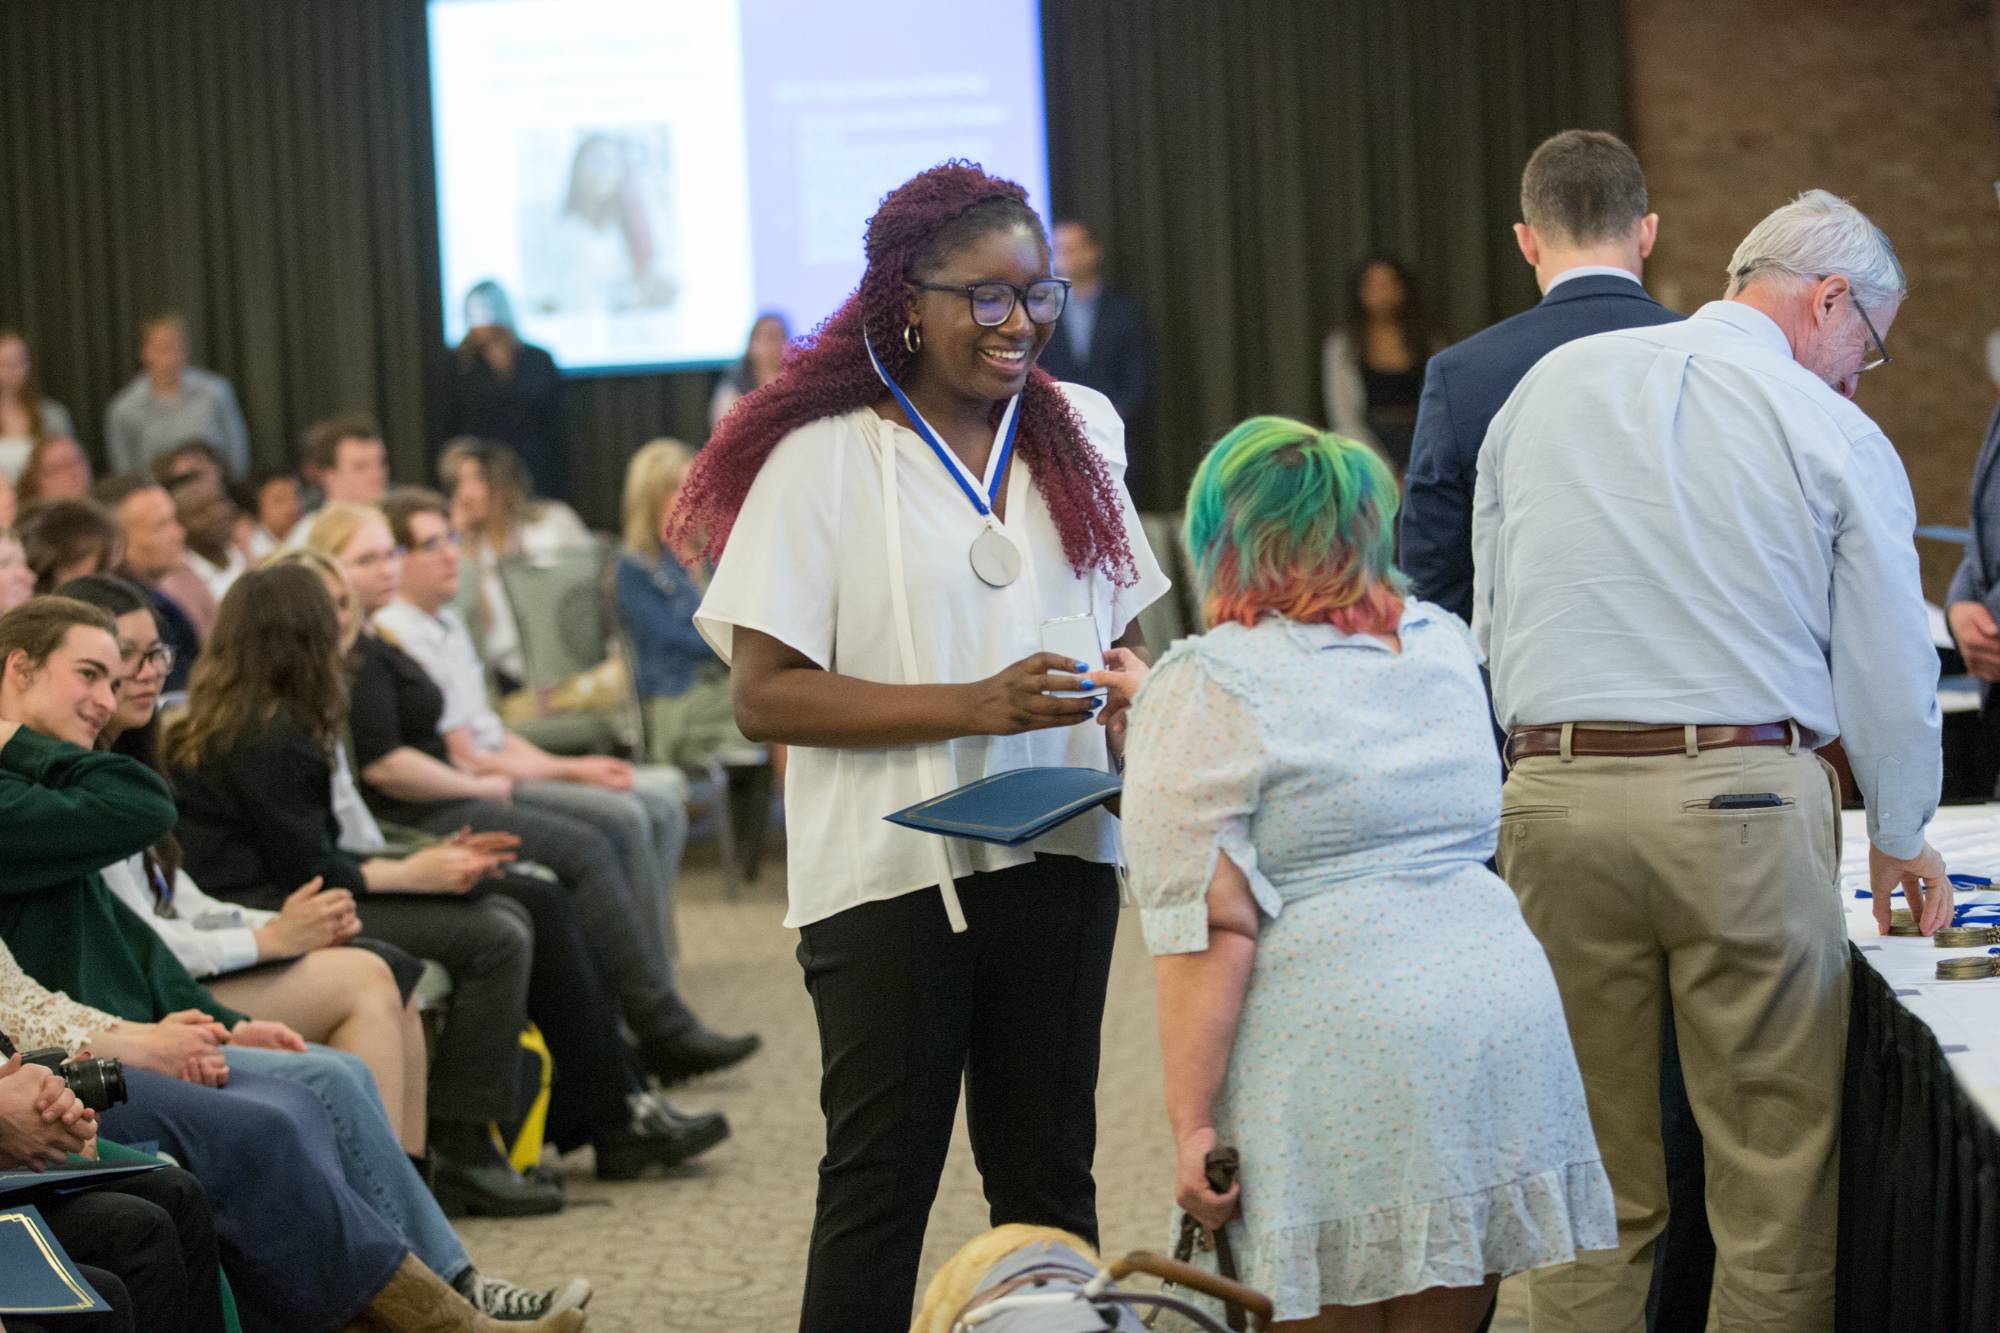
66	813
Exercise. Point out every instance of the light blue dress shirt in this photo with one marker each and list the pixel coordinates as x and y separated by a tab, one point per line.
1681	524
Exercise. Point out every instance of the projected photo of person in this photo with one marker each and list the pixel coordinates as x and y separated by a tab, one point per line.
601	240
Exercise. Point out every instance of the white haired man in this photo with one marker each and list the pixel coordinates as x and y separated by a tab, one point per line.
1692	564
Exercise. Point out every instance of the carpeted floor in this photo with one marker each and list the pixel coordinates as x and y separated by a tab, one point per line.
719	1247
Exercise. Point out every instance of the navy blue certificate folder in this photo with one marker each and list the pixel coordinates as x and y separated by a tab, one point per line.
36	1277
1014	807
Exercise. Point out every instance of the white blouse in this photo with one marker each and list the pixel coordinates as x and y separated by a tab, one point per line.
809	563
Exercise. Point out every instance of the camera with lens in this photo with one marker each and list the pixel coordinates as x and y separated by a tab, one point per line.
98	1084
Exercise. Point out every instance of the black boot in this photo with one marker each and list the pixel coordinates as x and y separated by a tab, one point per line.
657	1135
695	1049
469	1176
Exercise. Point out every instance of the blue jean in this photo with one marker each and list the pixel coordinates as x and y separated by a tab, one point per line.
371	1159
303	1250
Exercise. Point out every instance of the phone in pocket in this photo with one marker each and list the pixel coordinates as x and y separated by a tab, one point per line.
1075	637
1746	800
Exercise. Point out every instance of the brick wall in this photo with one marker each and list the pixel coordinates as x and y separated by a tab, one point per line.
1739	104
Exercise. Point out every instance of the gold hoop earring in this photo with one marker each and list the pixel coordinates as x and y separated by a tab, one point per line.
913	338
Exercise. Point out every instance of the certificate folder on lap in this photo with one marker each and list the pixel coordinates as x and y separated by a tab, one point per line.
36	1277
1014	807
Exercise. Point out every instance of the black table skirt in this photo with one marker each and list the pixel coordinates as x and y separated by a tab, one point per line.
1919	1181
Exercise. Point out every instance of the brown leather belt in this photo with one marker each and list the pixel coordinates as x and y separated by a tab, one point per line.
1528	742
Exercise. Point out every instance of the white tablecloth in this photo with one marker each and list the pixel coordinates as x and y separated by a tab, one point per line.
1964	1015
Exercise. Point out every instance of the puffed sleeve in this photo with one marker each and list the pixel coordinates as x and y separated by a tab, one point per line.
1194	762
778	574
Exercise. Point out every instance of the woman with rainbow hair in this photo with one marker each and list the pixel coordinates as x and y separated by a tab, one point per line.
1347	995
904	507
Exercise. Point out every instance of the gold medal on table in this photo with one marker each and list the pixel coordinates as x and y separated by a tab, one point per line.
1968	969
1965	937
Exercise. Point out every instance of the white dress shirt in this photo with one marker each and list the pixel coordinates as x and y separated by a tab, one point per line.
813	562
1591	271
1681	524
442	646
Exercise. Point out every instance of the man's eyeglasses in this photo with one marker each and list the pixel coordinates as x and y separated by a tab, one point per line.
1881	357
432	545
993	302
375	559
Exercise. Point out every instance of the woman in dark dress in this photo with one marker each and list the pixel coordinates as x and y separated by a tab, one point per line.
500	388
1374	363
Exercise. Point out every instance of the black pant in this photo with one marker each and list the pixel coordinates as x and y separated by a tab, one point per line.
148	1245
568	1001
487	945
1013	1006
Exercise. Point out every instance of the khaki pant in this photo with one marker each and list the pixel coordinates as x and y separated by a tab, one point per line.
1642	895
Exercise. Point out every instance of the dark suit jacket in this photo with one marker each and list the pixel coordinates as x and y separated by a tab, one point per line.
1464	386
1120	362
1978	576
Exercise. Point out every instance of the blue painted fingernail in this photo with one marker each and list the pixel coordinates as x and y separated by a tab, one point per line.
1083	666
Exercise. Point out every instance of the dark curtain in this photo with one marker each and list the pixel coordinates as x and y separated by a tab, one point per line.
1236	159
266	169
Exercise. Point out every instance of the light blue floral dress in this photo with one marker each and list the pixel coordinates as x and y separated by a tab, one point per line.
1401	1086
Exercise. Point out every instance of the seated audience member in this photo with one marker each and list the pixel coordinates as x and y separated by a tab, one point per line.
253	767
170	401
146	1243
274	504
406	774
643	809
156	547
1317	696
1373	364
290	964
208	514
57	469
284	835
68	810
193	476
682	684
762	359
67	539
26	416
495	516
346	459
17	580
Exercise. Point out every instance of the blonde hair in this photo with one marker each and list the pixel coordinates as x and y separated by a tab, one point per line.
956	1282
327	568
654	473
337	523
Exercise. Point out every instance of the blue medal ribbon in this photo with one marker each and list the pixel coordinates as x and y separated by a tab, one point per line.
980	495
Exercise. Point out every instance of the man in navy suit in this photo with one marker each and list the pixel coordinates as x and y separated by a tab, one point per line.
1101	339
1586	232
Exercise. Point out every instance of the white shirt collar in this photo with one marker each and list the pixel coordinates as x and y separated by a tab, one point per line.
1592	271
1750	320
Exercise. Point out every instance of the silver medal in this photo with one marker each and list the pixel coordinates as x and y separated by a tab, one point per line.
995	558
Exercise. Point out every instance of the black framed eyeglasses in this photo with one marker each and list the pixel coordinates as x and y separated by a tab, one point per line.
1881	357
993	302
160	658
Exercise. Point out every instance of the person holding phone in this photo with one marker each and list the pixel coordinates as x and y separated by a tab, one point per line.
895	517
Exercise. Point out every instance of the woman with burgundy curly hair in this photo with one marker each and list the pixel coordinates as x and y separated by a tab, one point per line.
895	516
